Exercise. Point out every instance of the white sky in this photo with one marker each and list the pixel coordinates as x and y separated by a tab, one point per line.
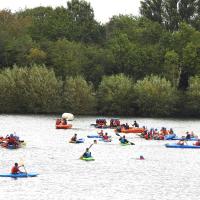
103	9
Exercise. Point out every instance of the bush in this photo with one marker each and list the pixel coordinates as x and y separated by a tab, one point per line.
155	97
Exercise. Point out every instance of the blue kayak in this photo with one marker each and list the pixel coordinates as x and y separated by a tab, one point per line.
81	140
182	146
170	137
191	139
19	175
102	140
94	136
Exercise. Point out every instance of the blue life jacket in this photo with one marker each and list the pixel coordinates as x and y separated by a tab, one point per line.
87	155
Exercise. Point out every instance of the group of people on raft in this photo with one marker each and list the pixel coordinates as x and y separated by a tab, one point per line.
10	140
61	121
102	123
188	136
155	134
126	126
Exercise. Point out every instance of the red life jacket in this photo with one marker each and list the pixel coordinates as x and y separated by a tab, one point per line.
14	170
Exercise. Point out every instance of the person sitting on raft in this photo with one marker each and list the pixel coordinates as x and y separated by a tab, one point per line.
87	153
74	138
181	142
101	133
126	126
11	140
188	136
123	140
106	137
64	121
15	169
135	124
171	131
197	143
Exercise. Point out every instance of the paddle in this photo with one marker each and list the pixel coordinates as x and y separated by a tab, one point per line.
128	141
22	165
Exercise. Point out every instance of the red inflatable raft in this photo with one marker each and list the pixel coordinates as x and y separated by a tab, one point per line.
130	130
63	126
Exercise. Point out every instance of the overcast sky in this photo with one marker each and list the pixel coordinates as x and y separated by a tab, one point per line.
103	9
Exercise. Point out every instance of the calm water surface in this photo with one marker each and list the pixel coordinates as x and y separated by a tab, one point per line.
115	174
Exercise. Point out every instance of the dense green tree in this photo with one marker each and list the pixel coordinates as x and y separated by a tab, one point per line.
115	94
83	26
192	105
155	97
44	90
78	96
152	9
29	90
36	56
67	58
171	67
170	12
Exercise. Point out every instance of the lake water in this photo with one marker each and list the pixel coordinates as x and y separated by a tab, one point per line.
115	174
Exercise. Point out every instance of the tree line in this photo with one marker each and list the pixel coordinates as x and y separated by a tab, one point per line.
62	59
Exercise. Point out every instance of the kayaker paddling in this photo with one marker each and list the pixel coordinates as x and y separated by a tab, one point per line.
74	138
87	153
15	169
123	140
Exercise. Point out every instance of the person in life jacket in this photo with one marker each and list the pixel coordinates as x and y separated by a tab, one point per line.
101	133
188	136
105	137
87	153
58	121
181	142
123	140
197	143
64	121
15	169
11	140
126	126
74	138
141	157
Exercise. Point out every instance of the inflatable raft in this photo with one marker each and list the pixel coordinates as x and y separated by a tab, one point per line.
130	130
13	146
63	126
19	175
182	146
